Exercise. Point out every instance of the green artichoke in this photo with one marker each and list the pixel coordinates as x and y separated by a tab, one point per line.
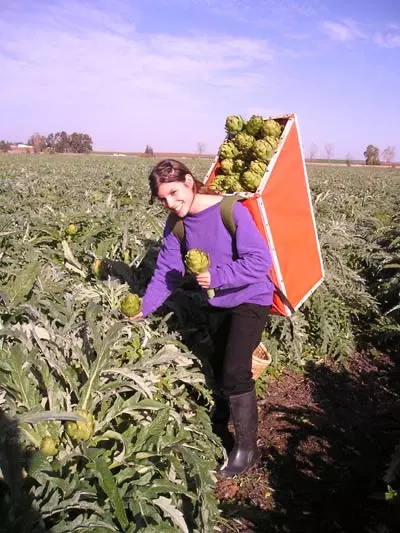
130	305
273	141
226	166
258	167
271	128
81	431
254	125
48	446
243	141
234	124
228	150
250	180
238	165
262	150
218	183
72	229
196	262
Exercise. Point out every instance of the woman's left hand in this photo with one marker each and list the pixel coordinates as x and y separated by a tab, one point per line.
204	280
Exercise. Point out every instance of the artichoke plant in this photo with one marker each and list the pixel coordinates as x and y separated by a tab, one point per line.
197	262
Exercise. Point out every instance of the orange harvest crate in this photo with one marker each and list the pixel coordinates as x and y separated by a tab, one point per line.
283	212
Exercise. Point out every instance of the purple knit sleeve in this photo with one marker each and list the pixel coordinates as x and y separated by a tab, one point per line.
253	261
167	274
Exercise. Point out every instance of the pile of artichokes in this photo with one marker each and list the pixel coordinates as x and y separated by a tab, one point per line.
245	153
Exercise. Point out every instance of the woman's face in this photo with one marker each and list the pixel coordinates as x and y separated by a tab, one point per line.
177	196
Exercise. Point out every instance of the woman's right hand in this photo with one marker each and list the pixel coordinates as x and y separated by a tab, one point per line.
136	317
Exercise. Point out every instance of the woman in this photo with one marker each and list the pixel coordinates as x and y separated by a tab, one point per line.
243	295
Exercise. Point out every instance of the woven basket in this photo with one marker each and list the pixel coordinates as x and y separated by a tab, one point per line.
260	360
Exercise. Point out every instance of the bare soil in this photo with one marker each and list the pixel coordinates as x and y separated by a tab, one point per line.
327	436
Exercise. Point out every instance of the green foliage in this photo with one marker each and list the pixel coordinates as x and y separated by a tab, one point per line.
146	462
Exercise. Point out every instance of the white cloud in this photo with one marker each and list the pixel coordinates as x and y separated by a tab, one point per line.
108	75
343	31
387	40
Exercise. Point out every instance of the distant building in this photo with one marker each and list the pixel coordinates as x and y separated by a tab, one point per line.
21	148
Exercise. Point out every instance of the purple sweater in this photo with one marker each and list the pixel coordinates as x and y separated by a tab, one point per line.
239	278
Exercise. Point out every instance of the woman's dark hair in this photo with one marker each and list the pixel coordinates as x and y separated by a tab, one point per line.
168	171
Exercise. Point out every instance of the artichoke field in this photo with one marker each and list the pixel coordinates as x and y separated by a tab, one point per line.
104	423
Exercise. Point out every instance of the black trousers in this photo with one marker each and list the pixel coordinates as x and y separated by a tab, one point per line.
235	333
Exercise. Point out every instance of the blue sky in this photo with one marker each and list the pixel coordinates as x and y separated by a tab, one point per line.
168	72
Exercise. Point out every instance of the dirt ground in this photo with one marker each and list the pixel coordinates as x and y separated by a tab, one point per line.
327	437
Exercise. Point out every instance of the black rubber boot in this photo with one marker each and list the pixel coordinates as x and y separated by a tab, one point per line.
219	419
245	420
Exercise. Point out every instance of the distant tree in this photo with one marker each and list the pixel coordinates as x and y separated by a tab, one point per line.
5	146
80	143
371	155
388	154
201	147
50	142
149	150
313	151
329	151
38	142
75	143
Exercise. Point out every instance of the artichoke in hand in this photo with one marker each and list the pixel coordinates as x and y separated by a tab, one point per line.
197	262
130	305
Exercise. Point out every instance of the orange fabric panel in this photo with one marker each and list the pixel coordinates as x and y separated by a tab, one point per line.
289	213
254	209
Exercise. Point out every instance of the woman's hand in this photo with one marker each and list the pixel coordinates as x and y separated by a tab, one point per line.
204	280
136	317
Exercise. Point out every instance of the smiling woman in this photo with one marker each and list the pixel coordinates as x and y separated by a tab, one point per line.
238	289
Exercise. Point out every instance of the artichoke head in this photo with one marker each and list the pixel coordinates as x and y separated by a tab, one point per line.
72	229
197	261
226	166
243	141
48	446
228	150
81	431
97	268
262	150
130	305
254	125
238	165
258	167
271	128
233	124
250	180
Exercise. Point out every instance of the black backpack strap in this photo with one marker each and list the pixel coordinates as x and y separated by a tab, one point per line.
177	227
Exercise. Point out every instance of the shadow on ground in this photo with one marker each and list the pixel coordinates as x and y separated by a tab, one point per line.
327	438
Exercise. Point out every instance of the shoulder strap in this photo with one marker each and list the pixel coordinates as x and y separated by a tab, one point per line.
177	227
226	207
226	210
